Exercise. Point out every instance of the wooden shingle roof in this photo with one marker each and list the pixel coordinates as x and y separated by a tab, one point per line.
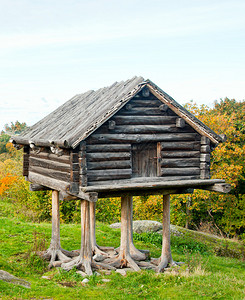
76	119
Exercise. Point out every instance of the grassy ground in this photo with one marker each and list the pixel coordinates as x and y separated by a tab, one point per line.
213	269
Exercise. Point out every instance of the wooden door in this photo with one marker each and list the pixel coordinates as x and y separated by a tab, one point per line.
144	160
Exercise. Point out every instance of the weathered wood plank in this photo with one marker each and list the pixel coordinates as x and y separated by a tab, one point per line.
51	156
83	164
159	155
105	156
180	163
109	172
179	171
34	187
140	120
108	177
145	103
142	111
49	164
154	184
75	176
75	170
114	164
74	157
150	129
95	178
137	138
108	148
191	145
96	175
142	180
179	154
52	183
144	160
64	176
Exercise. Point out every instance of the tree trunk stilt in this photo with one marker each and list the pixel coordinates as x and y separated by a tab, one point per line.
84	260
124	258
136	254
55	253
95	248
166	257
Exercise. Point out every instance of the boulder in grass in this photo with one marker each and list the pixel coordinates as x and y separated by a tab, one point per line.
140	226
173	230
149	226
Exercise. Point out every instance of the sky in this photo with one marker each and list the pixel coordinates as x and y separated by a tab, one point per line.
52	50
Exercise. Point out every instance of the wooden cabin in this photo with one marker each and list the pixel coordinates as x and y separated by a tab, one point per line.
130	138
130	135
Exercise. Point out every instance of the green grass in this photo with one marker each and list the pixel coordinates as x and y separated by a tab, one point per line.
203	276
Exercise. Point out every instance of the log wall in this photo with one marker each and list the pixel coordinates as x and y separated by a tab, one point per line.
55	171
109	155
180	152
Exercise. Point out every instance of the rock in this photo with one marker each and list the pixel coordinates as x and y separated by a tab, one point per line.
97	273
115	225
83	274
85	280
105	280
149	226
140	226
173	230
121	271
5	276
98	257
146	226
46	277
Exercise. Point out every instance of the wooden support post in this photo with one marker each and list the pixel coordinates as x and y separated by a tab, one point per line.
85	253
166	256
55	253
55	240
124	253
124	259
135	253
84	260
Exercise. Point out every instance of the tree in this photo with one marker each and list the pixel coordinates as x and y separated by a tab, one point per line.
224	213
15	128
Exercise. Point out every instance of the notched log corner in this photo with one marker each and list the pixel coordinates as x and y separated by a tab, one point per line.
219	187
